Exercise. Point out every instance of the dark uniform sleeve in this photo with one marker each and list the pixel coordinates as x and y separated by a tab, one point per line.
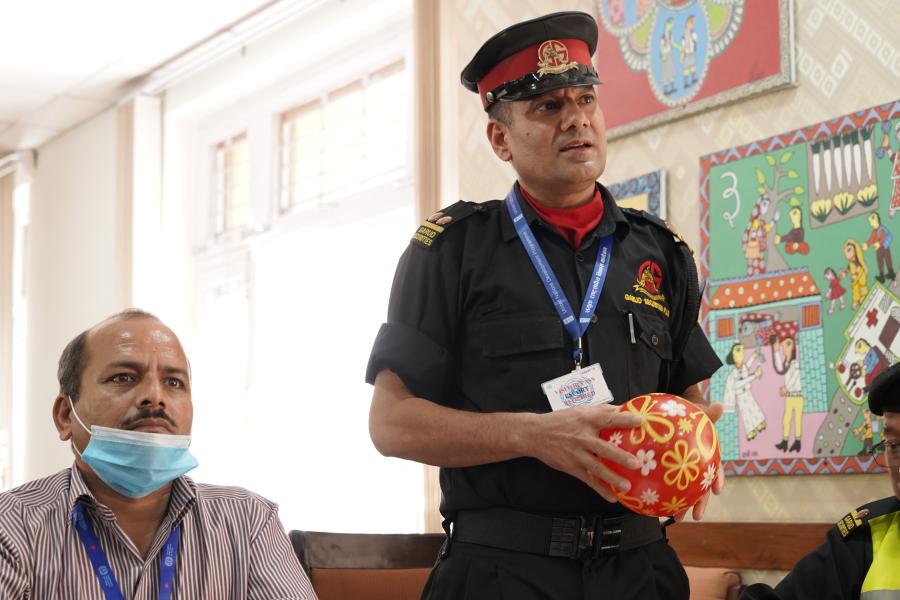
417	340
693	357
834	571
696	362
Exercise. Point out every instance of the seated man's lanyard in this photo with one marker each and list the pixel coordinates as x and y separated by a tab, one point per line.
575	327
102	569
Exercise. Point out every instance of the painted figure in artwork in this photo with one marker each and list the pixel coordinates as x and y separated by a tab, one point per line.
893	155
755	245
865	433
793	240
880	239
835	291
786	363
667	58
689	52
873	360
859	273
737	390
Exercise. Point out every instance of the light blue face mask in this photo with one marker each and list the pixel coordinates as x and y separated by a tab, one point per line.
135	463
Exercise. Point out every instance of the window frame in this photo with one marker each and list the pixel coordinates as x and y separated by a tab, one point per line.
285	184
257	115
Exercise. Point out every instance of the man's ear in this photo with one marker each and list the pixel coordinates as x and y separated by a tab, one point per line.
62	417
498	136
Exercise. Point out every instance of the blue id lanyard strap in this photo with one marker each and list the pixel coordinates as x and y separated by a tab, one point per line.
574	327
102	569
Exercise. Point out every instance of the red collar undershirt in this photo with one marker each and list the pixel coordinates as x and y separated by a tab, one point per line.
571	223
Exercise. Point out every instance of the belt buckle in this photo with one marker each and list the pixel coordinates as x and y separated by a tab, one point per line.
573	538
567	538
587	536
610	537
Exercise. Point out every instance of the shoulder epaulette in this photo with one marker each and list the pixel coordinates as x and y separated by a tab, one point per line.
432	227
667	225
853	521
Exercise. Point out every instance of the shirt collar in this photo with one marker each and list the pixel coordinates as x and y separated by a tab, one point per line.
182	498
613	219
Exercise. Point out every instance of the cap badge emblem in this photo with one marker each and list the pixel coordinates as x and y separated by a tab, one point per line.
553	57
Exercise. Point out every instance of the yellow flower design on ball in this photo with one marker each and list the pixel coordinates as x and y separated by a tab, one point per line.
674	506
657	425
682	465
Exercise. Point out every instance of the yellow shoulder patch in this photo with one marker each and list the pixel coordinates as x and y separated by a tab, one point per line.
851	521
427	233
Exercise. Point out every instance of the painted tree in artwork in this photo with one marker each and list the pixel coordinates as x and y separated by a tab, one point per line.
777	186
783	186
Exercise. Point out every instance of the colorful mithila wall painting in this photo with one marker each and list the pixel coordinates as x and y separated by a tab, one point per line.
665	59
644	192
800	234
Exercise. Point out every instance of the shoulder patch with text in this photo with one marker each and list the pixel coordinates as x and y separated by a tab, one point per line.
851	522
427	233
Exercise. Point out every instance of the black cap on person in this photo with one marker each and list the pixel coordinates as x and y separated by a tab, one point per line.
533	57
884	393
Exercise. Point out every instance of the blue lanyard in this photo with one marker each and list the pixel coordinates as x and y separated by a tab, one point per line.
575	327
102	569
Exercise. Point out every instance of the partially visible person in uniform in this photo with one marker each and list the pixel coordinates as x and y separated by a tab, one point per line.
861	554
513	328
124	521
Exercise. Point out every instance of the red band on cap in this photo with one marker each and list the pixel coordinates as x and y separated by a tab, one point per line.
551	56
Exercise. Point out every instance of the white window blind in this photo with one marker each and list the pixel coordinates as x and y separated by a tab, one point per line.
231	184
351	138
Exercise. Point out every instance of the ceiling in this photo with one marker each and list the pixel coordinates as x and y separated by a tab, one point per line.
62	62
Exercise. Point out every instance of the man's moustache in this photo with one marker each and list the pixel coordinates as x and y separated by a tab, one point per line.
149	414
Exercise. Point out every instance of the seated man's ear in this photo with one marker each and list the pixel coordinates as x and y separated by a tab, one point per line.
62	417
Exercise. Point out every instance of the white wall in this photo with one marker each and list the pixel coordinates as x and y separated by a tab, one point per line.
73	271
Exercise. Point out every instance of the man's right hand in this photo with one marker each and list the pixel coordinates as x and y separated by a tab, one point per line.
568	441
405	426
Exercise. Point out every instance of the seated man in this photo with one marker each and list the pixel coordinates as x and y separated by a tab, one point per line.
125	522
860	555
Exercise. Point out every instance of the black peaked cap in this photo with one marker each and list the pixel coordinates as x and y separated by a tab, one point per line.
560	25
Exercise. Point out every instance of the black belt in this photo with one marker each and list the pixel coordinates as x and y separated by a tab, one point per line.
571	537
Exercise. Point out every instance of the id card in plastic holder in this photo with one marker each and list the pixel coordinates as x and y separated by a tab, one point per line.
581	387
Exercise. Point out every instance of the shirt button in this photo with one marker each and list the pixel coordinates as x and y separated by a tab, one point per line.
654	339
594	318
579	257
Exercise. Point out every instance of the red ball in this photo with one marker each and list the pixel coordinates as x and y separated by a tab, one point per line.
678	449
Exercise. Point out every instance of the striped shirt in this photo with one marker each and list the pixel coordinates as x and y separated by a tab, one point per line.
232	545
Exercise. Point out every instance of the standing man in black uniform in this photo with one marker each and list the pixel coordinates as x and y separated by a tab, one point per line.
505	314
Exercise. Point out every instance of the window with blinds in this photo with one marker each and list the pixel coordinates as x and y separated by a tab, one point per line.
231	184
349	139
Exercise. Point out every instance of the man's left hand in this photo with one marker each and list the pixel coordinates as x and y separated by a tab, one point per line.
713	411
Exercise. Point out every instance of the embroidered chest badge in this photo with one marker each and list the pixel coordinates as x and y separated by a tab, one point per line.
553	57
648	287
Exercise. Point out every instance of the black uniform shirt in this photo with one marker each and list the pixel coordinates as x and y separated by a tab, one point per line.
837	569
470	326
